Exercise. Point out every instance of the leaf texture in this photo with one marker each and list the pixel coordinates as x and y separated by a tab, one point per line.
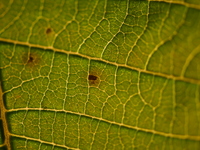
100	74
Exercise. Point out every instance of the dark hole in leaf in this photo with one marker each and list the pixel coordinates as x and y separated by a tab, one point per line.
31	59
48	31
92	77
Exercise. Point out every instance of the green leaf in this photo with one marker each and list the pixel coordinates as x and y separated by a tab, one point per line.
100	74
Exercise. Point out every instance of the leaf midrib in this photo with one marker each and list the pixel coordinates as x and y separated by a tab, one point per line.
4	121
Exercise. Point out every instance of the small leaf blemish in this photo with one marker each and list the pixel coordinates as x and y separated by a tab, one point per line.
48	31
31	59
93	80
92	77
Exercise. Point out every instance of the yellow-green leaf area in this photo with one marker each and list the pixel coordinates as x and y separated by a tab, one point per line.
100	74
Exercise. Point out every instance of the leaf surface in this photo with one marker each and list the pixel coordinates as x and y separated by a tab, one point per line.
100	74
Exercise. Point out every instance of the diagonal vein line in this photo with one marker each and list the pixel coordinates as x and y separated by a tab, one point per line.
41	141
178	136
195	6
179	78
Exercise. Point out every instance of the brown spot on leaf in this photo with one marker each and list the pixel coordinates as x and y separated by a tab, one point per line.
17	96
48	31
92	77
31	60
